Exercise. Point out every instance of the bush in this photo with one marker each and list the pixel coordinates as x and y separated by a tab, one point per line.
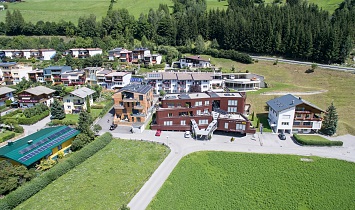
11	114
18	129
32	120
304	141
61	122
29	189
98	106
7	137
106	108
8	102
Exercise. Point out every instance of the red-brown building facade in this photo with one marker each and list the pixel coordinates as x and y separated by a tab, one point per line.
177	112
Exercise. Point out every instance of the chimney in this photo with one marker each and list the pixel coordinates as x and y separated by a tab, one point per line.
293	101
29	142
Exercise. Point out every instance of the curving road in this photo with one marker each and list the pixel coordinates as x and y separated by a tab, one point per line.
324	66
262	143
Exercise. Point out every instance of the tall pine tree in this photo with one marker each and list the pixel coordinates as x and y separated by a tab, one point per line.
57	110
330	123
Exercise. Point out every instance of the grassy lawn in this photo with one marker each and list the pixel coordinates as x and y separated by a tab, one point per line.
5	133
225	180
107	180
292	78
313	138
52	10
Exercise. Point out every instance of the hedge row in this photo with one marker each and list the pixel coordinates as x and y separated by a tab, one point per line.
7	137
32	120
31	188
11	114
97	106
303	141
62	122
106	108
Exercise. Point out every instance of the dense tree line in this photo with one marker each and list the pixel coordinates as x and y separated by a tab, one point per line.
297	29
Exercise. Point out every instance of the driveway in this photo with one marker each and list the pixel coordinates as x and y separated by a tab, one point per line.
260	143
29	129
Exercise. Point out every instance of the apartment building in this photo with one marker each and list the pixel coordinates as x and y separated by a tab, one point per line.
39	54
117	80
36	75
32	96
83	52
12	73
192	62
52	74
91	74
289	113
72	78
101	79
182	82
138	55
132	104
203	113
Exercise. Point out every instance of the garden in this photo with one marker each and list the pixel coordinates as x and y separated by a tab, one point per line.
315	140
106	180
226	180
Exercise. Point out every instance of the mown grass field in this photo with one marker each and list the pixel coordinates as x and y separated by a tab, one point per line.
225	180
106	180
52	10
287	78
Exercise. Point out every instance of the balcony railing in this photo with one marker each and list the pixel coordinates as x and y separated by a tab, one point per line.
78	103
302	126
138	107
138	115
48	79
28	101
118	106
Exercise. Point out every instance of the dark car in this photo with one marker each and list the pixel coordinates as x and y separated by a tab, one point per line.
282	136
113	127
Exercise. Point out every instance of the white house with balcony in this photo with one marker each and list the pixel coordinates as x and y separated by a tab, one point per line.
289	113
192	62
117	80
76	100
6	93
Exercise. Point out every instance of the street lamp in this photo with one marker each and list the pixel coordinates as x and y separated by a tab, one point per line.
167	140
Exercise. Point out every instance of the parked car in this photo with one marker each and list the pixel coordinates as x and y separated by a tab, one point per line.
158	133
113	127
282	136
187	134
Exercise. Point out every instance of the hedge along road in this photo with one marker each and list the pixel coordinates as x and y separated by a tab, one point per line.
181	146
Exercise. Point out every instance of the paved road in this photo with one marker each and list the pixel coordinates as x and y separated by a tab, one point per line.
262	143
29	129
333	67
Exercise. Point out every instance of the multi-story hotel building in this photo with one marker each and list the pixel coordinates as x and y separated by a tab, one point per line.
12	73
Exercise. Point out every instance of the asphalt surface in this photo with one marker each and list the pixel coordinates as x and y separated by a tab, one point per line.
333	67
260	143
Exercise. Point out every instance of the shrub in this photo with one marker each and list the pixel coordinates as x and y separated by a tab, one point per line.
98	106
304	141
29	189
97	127
7	136
106	108
33	119
8	102
18	129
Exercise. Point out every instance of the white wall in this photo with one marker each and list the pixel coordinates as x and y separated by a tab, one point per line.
47	55
94	52
286	116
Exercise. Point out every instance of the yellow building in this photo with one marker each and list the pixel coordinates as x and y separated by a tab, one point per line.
44	144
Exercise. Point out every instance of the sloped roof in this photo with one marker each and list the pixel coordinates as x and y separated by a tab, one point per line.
202	76
83	92
4	90
39	90
184	76
8	64
42	143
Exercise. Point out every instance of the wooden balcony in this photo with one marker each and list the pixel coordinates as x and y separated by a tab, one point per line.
139	107
47	79
119	106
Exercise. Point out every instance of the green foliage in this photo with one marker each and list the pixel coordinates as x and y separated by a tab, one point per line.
224	180
8	102
62	122
32	120
200	45
124	207
88	108
162	93
132	161
38	109
18	129
80	141
57	110
6	136
97	128
12	176
24	192
330	122
106	108
46	164
314	140
98	106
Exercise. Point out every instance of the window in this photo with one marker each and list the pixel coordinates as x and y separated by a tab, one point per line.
284	123
198	103
198	112
307	123
240	127
308	116
232	102
286	116
203	122
68	100
298	115
141	97
226	126
69	107
207	103
59	147
170	114
296	123
204	86
168	122
205	111
183	122
232	109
